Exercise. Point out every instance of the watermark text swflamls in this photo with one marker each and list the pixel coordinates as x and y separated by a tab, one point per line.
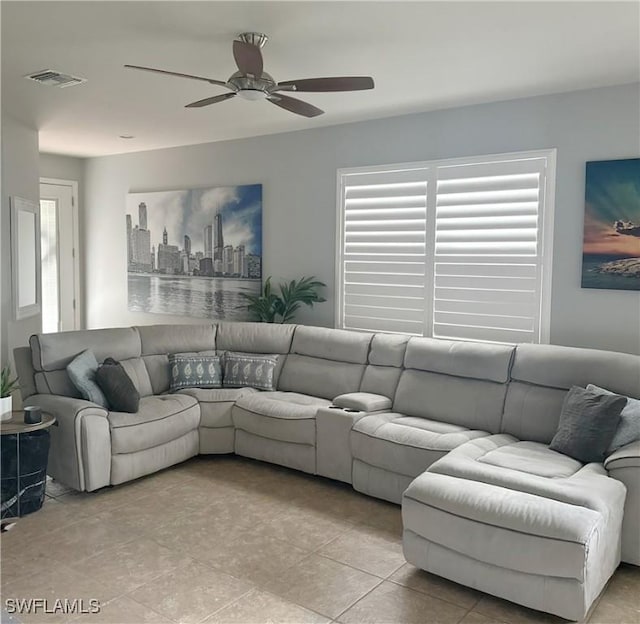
66	606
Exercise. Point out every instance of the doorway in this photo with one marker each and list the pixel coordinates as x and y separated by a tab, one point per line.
60	263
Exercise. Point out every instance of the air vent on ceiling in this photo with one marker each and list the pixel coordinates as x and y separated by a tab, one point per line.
53	78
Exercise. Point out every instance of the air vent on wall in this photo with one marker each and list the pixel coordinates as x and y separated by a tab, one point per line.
53	78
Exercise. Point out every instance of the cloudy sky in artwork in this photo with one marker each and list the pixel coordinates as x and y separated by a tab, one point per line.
188	212
612	194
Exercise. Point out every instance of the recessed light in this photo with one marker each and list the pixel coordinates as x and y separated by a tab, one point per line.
127	136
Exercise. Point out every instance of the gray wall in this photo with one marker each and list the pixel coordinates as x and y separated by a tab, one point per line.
19	178
298	171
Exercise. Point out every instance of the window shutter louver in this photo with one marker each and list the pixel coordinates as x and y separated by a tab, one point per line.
384	244
450	249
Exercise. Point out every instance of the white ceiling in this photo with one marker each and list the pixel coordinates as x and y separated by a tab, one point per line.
422	55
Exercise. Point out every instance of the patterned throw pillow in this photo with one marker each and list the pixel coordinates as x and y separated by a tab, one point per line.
194	371
248	369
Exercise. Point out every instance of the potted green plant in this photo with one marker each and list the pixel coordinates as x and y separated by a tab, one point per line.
7	386
281	307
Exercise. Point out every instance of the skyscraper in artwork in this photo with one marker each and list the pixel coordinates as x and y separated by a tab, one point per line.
129	242
142	216
208	241
187	245
218	238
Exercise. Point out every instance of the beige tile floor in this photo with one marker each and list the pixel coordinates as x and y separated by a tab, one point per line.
228	540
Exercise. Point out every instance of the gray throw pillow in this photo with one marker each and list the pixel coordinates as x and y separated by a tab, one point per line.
588	422
243	370
117	387
82	372
629	428
189	370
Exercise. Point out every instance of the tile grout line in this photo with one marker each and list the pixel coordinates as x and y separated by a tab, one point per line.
355	602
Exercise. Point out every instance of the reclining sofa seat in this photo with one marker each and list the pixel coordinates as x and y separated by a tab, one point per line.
448	393
510	517
280	427
93	447
217	431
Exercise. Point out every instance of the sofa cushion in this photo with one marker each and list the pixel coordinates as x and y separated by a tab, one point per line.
490	460
250	369
165	339
628	430
388	350
403	444
82	372
158	420
194	371
548	513
54	351
541	376
284	416
470	403
317	377
331	344
215	404
139	375
532	458
588	422
119	390
475	360
254	337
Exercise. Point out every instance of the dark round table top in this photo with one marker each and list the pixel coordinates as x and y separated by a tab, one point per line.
17	424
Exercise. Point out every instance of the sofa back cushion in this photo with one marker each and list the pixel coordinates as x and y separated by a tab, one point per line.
461	383
541	376
158	341
51	353
325	362
251	338
386	357
254	337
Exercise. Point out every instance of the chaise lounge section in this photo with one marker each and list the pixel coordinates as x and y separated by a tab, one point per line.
457	432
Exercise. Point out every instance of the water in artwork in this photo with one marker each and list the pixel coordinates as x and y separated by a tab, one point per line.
206	297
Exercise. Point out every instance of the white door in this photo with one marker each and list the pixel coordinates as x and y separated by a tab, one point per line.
59	239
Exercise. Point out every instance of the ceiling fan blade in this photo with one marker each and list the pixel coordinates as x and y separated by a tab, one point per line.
170	73
248	58
340	83
211	100
295	106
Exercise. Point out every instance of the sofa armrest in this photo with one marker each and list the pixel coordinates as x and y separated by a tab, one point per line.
624	465
625	457
363	401
80	453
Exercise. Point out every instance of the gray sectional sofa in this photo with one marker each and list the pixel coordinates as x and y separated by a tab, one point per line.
457	432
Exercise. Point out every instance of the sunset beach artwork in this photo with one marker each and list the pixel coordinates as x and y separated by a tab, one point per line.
611	250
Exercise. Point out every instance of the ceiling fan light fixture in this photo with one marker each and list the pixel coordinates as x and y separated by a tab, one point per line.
252	94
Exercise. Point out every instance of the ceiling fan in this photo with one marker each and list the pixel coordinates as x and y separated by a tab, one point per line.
252	83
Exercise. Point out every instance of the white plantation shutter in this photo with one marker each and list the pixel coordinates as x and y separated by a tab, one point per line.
488	252
450	249
384	251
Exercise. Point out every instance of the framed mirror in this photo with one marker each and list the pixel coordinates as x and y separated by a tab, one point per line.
25	257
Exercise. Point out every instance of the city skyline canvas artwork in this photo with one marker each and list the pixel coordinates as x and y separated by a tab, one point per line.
193	252
611	248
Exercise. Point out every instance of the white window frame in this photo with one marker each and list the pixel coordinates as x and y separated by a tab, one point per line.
545	228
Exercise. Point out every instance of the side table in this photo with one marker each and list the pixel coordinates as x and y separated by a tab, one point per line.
24	455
